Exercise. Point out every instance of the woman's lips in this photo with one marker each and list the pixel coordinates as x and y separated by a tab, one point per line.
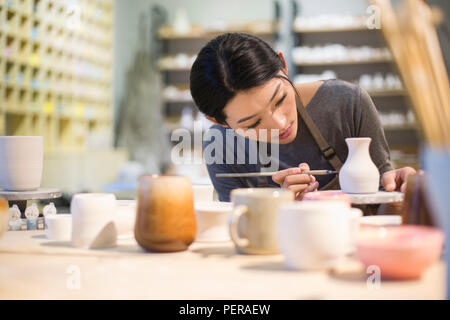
286	133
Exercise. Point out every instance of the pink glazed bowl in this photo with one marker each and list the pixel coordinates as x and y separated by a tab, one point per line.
330	195
401	252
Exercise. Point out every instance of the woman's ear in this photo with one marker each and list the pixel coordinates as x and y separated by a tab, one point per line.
285	69
216	122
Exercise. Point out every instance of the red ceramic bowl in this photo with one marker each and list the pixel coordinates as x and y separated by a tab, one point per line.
328	195
401	252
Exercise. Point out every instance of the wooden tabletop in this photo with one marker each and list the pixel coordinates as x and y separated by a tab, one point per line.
31	267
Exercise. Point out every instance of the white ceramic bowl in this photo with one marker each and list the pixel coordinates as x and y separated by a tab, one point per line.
21	162
125	218
212	220
58	227
203	193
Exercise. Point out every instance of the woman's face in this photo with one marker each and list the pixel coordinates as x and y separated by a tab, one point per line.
265	112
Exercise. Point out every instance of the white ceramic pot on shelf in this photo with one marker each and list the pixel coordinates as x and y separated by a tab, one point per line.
359	174
21	162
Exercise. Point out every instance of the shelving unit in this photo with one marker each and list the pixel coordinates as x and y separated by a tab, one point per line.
189	43
401	138
56	71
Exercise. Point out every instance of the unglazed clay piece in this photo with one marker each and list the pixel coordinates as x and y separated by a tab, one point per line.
359	174
91	212
21	162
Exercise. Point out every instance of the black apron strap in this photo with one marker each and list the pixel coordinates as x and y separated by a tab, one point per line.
327	150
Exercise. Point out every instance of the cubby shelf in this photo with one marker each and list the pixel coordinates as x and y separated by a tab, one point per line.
56	70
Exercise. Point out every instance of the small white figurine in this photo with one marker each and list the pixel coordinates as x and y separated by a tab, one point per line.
32	214
49	209
15	223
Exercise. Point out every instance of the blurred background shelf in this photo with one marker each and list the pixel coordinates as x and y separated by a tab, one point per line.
56	71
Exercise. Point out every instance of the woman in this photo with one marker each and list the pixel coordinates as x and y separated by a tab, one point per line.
241	85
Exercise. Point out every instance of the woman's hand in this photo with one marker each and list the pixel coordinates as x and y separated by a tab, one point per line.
395	180
293	179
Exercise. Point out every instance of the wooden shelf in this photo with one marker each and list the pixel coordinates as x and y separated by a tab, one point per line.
331	30
386	93
55	70
262	29
343	62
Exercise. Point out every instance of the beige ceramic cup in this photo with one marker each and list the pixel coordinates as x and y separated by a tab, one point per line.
21	162
255	214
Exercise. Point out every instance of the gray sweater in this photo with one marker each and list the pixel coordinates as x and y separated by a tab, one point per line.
339	109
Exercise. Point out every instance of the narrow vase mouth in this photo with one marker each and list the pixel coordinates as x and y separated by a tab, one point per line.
362	139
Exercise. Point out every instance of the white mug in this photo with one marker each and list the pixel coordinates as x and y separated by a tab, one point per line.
253	226
93	216
21	162
314	234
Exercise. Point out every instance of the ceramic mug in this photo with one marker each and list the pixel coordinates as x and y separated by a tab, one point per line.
165	220
93	217
21	162
212	220
313	234
256	212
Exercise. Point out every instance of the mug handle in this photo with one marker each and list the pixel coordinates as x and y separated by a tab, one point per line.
237	213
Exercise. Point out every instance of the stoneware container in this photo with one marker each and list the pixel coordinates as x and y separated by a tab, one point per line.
21	162
165	220
254	222
212	220
359	174
401	252
93	217
314	234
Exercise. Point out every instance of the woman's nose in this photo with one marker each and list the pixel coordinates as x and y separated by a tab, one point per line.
279	118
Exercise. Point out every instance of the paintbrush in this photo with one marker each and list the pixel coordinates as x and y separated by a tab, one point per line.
271	173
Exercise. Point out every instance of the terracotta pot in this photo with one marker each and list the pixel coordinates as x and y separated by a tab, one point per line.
165	219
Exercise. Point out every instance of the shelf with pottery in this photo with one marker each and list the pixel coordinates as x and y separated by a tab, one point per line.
55	75
342	62
331	23
258	28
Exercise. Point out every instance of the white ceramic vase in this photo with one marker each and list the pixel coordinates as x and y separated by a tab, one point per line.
21	162
359	174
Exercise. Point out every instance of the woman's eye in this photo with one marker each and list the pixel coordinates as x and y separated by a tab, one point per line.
281	100
254	125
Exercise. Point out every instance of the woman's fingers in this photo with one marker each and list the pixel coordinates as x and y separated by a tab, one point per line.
297	179
310	188
282	174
